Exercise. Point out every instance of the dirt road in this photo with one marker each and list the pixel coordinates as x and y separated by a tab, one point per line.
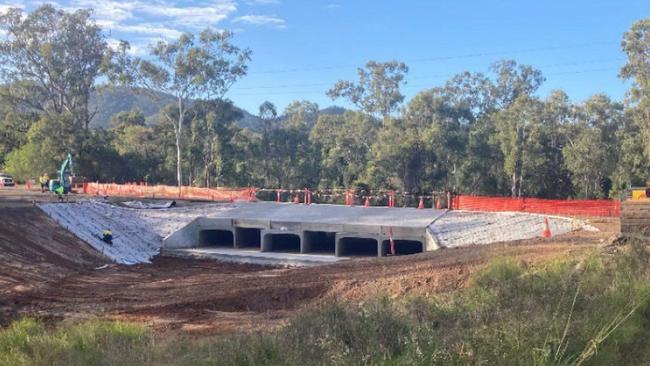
47	272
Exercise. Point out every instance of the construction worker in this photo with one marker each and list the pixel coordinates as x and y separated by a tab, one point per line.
107	237
59	192
44	180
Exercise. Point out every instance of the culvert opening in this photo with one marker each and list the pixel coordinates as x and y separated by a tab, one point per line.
248	237
216	238
320	242
358	247
403	247
283	243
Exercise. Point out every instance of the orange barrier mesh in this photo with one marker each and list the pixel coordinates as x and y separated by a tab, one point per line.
160	191
609	208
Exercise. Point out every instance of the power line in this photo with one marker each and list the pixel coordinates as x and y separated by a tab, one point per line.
442	58
572	72
436	76
422	85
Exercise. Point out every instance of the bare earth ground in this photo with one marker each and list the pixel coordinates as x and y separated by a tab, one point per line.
47	272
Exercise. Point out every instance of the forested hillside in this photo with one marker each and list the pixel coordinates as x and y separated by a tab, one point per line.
482	132
108	101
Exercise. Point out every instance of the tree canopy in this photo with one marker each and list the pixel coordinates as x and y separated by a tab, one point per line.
478	133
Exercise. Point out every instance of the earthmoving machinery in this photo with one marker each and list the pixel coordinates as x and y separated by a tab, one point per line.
63	185
635	213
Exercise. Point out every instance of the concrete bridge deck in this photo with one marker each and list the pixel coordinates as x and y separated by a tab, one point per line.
323	230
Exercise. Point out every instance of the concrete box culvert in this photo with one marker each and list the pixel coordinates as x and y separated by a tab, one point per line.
321	242
248	238
356	246
216	238
281	242
403	247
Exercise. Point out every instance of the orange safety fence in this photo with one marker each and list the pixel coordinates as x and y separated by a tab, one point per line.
161	191
608	208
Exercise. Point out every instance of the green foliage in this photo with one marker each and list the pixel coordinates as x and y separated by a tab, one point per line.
564	312
29	342
518	132
343	143
210	152
47	145
378	89
27	162
51	59
13	129
477	134
192	67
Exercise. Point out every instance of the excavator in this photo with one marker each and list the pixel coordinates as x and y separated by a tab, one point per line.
63	185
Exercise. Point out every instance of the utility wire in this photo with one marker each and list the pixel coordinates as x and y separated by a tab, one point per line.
418	85
441	58
413	78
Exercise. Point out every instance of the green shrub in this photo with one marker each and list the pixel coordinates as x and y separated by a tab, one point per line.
28	342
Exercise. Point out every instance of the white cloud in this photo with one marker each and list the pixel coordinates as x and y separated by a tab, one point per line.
5	7
125	13
107	9
270	20
262	2
166	19
207	14
150	29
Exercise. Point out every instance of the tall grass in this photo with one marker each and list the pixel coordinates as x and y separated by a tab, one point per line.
29	342
590	310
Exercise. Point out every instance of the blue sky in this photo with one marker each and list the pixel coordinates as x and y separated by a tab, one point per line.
301	48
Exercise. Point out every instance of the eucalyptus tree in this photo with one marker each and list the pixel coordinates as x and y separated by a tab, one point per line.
587	159
513	80
191	67
49	62
302	113
595	146
518	130
377	91
211	130
636	44
343	143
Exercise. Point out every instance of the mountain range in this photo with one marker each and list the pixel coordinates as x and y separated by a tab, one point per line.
109	101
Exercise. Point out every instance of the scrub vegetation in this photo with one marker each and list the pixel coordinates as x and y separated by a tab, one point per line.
590	310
